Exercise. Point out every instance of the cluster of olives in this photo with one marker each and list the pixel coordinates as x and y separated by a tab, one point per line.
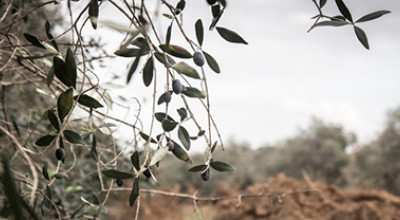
177	87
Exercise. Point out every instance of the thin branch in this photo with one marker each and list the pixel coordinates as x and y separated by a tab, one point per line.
217	198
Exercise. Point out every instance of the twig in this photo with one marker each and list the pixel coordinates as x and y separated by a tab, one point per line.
218	198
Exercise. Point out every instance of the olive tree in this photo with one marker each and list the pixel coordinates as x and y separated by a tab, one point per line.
60	156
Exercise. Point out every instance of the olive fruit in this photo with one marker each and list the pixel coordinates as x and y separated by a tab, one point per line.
198	58
203	94
176	86
147	172
211	2
170	145
206	175
167	97
120	182
60	154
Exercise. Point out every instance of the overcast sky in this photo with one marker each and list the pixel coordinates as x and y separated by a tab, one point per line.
285	76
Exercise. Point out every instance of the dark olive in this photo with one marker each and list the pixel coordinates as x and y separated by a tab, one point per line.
120	182
211	2
60	154
206	175
170	145
176	86
167	97
147	172
198	58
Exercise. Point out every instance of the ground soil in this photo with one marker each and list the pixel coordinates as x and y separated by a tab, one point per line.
280	198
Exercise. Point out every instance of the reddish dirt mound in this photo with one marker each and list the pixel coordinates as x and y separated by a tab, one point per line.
280	198
294	199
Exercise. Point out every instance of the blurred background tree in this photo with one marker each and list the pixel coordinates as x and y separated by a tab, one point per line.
377	163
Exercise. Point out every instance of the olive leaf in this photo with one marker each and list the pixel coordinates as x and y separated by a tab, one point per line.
45	140
168	125
184	137
168	37
93	151
322	3
199	31
132	69
44	171
180	153
94	12
70	67
214	146
160	57
73	137
222	166
34	40
135	160
53	119
372	16
230	36
185	69
197	168
175	50
146	137
65	74
192	92
135	192
159	155
64	104
131	52
182	113
50	36
50	76
212	63
344	10
116	174
88	101
361	36
333	23
148	72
